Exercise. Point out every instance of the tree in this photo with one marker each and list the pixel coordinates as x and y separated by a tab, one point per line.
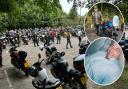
123	8
73	13
29	13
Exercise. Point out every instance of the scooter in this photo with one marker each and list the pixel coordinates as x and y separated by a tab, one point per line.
18	59
41	79
69	76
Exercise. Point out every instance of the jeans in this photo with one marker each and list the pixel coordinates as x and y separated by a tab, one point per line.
68	42
97	29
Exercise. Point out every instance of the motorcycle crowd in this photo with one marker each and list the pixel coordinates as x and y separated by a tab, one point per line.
46	35
74	77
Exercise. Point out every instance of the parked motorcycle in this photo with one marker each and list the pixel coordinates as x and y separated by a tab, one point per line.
18	59
41	79
124	45
12	41
4	41
78	61
25	40
49	51
60	69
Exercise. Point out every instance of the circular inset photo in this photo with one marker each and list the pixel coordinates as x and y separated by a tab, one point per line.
104	61
104	20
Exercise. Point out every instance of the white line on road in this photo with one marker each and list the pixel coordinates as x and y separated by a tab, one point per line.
8	80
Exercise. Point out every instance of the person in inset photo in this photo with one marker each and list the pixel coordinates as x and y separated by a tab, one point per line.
104	20
97	18
115	27
104	61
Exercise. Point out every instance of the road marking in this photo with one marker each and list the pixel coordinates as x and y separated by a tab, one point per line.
8	80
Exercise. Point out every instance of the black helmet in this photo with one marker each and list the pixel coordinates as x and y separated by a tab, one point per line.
33	71
53	48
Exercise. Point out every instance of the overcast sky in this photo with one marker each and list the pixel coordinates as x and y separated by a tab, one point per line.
67	6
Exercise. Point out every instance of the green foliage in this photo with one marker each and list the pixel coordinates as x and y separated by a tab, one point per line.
29	13
34	13
124	9
4	5
73	13
108	10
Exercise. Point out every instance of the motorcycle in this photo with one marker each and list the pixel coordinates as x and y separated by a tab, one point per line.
12	41
78	61
124	45
16	41
25	40
41	79
4	41
60	69
18	59
49	51
42	38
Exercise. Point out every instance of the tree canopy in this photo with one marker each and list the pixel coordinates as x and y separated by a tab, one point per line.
29	13
124	9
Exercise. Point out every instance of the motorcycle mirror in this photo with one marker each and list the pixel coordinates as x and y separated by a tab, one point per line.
39	55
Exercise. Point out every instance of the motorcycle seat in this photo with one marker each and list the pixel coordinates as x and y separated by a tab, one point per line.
74	72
